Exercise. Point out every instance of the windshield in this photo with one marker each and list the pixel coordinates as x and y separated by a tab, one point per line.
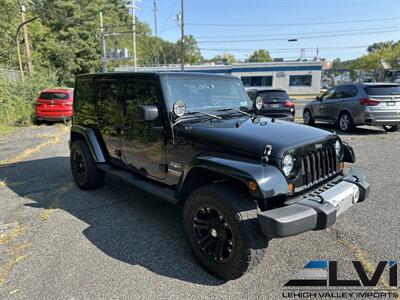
206	93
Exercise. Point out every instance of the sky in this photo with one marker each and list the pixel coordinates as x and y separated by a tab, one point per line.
339	28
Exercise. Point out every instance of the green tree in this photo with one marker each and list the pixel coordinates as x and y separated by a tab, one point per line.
260	55
225	58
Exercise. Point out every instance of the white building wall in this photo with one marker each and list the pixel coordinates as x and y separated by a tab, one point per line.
281	79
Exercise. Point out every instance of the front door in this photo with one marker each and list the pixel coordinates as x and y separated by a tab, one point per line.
323	103
143	142
109	115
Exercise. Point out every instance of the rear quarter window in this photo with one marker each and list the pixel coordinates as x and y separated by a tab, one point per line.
383	90
84	102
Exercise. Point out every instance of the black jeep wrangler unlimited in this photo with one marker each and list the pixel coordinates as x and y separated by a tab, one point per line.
196	140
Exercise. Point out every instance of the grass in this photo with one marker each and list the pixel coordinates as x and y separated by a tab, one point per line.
5	129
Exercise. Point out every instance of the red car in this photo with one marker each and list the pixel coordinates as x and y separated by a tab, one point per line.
54	105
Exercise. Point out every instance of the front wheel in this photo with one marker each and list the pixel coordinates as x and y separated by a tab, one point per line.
391	128
307	118
222	230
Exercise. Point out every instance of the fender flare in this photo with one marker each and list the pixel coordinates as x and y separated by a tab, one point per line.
270	181
348	153
89	136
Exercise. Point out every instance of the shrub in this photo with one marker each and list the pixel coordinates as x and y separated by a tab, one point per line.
17	98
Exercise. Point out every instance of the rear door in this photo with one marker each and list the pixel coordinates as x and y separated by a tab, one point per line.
108	93
342	99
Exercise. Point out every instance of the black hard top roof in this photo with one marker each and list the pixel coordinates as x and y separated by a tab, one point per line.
154	74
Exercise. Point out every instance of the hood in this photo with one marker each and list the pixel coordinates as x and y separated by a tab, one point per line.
250	136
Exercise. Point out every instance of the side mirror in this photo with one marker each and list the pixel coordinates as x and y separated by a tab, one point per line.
319	98
147	113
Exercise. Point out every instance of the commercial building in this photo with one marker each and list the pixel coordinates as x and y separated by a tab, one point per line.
296	77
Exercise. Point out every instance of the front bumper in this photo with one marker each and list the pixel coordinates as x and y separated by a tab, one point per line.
318	209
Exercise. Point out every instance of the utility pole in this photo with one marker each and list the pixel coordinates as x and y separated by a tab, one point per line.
103	45
26	38
155	17
182	37
134	35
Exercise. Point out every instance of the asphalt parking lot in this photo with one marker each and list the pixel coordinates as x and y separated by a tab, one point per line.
58	242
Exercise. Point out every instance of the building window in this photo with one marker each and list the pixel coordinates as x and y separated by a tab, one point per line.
257	80
300	80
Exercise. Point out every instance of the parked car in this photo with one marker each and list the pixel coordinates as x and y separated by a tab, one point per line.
354	104
193	140
54	105
276	103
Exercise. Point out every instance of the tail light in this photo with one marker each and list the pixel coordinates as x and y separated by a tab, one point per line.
289	104
369	102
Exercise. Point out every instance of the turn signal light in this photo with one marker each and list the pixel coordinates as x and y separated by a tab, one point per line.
291	187
252	186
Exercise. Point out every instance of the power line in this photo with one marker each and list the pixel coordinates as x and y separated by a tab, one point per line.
284	49
169	15
289	24
300	37
297	33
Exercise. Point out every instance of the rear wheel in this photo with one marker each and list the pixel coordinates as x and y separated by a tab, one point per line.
83	167
307	118
222	230
345	122
391	128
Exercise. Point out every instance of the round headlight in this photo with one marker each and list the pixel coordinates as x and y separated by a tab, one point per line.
338	148
259	103
179	108
287	164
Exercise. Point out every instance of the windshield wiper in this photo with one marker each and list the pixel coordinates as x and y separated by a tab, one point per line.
203	113
234	109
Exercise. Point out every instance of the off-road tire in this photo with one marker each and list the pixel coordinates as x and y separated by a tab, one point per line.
240	213
308	120
91	177
391	128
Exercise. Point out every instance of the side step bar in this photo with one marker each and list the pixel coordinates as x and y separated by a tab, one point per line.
161	192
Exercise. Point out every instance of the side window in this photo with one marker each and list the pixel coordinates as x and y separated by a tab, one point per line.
84	102
351	91
340	93
329	93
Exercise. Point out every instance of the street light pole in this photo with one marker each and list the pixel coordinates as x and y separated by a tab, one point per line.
134	35
182	38
21	70
103	45
26	39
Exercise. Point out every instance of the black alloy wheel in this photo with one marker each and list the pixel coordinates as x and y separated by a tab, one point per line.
213	234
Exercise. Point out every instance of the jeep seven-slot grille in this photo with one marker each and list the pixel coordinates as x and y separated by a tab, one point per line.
317	165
